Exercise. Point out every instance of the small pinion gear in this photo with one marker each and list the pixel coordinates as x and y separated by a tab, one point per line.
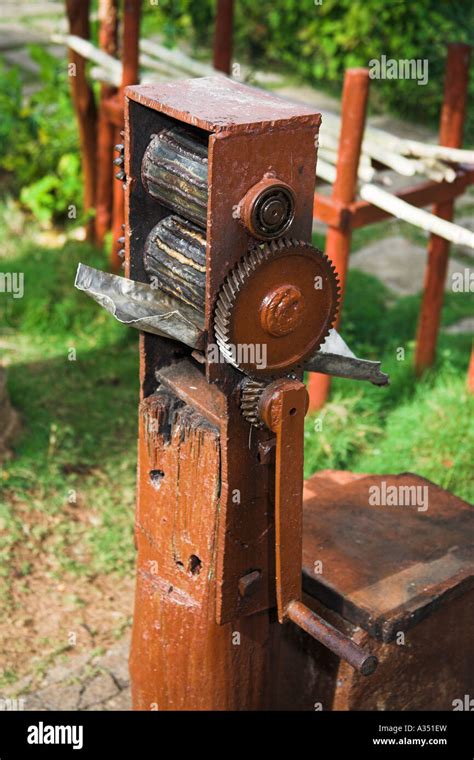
276	307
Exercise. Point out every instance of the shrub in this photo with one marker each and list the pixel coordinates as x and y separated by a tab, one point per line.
318	42
38	139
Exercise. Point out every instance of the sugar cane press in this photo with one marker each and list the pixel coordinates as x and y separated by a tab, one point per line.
233	304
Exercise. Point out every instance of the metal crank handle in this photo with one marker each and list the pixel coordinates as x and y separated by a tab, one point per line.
282	407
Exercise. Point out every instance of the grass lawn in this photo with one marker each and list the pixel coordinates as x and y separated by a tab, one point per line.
67	494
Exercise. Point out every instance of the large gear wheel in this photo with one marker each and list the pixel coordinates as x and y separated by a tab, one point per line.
276	308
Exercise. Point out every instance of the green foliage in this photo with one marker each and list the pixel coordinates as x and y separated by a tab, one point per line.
319	41
38	139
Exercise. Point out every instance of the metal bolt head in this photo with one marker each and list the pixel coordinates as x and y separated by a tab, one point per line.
248	584
282	310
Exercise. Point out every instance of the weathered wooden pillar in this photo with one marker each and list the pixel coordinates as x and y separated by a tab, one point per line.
338	241
453	115
181	657
84	105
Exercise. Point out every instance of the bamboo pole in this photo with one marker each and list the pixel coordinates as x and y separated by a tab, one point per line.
398	145
416	216
177	59
88	51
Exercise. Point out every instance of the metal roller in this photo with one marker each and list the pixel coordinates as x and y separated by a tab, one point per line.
174	171
175	260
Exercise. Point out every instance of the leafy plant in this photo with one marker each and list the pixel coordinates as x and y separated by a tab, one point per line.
319	40
38	139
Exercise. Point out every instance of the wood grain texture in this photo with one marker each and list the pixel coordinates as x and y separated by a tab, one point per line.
181	658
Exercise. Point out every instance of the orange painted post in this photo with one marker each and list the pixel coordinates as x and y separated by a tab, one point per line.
470	373
84	104
354	107
451	134
223	36
108	11
130	75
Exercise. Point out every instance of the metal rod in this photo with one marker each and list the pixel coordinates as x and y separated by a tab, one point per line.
340	644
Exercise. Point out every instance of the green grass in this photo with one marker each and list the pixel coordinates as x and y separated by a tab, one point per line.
72	475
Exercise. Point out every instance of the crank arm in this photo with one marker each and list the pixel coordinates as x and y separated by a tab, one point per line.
282	407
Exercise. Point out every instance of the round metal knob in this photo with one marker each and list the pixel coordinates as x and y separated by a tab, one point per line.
268	209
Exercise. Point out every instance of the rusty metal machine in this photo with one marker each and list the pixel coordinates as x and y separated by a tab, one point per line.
234	304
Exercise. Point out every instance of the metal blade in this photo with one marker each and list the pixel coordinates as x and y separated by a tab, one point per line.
336	358
139	305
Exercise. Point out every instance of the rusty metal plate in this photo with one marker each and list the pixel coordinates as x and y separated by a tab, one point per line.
383	566
216	103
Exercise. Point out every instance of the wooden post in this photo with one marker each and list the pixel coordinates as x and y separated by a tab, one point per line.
108	10
470	373
130	75
84	104
451	133
354	107
223	36
181	658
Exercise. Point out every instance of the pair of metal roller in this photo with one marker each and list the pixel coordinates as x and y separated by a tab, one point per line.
269	298
282	295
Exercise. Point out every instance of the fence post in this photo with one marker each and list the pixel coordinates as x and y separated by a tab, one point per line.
108	12
84	104
453	115
223	36
338	242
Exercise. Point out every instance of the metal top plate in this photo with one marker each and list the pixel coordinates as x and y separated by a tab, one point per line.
217	103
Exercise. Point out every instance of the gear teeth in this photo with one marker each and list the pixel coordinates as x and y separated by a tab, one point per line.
251	393
231	287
